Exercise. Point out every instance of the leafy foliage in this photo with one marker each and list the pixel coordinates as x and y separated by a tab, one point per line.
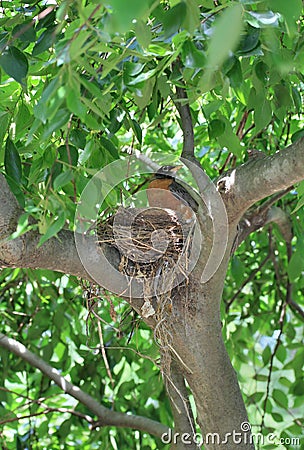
86	83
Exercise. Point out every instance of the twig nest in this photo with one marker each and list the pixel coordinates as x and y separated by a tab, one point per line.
154	246
145	235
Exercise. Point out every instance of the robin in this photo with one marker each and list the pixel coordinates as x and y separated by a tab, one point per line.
164	191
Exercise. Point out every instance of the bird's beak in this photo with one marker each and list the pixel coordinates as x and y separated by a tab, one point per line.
176	168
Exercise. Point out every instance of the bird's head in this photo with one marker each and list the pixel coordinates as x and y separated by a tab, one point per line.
167	171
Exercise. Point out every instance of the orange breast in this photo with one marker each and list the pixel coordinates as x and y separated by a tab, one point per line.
160	196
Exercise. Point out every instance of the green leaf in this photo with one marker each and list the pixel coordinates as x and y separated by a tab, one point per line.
297	135
53	229
58	121
280	398
122	16
143	33
237	270
262	107
111	198
45	41
78	138
262	19
47	20
297	99
144	76
15	64
291	10
229	139
211	107
24	120
173	18
208	4
216	128
74	103
41	109
191	56
249	41
282	96
296	265
108	145
262	114
68	154
281	353
12	161
87	151
226	36
266	355
4	122
298	388
262	71
22	226
300	203
235	75
137	130
63	179
277	417
143	95
192	19
25	32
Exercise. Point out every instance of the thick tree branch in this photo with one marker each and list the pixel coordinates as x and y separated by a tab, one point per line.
59	254
261	177
210	375
106	416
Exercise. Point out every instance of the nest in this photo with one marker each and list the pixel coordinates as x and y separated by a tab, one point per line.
154	245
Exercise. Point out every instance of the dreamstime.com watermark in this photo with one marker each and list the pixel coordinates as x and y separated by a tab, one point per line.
245	436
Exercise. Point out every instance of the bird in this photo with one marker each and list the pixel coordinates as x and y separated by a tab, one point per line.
164	191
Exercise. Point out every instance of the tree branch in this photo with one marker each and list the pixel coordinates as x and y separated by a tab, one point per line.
261	177
47	410
257	218
182	105
106	416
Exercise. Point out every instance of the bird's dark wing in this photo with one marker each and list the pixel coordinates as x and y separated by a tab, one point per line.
183	194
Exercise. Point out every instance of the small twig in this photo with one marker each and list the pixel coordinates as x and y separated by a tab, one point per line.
104	356
67	145
290	302
47	411
227	161
294	306
248	129
27	26
242	124
278	342
258	217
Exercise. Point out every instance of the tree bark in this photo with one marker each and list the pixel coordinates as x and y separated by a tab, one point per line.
261	177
